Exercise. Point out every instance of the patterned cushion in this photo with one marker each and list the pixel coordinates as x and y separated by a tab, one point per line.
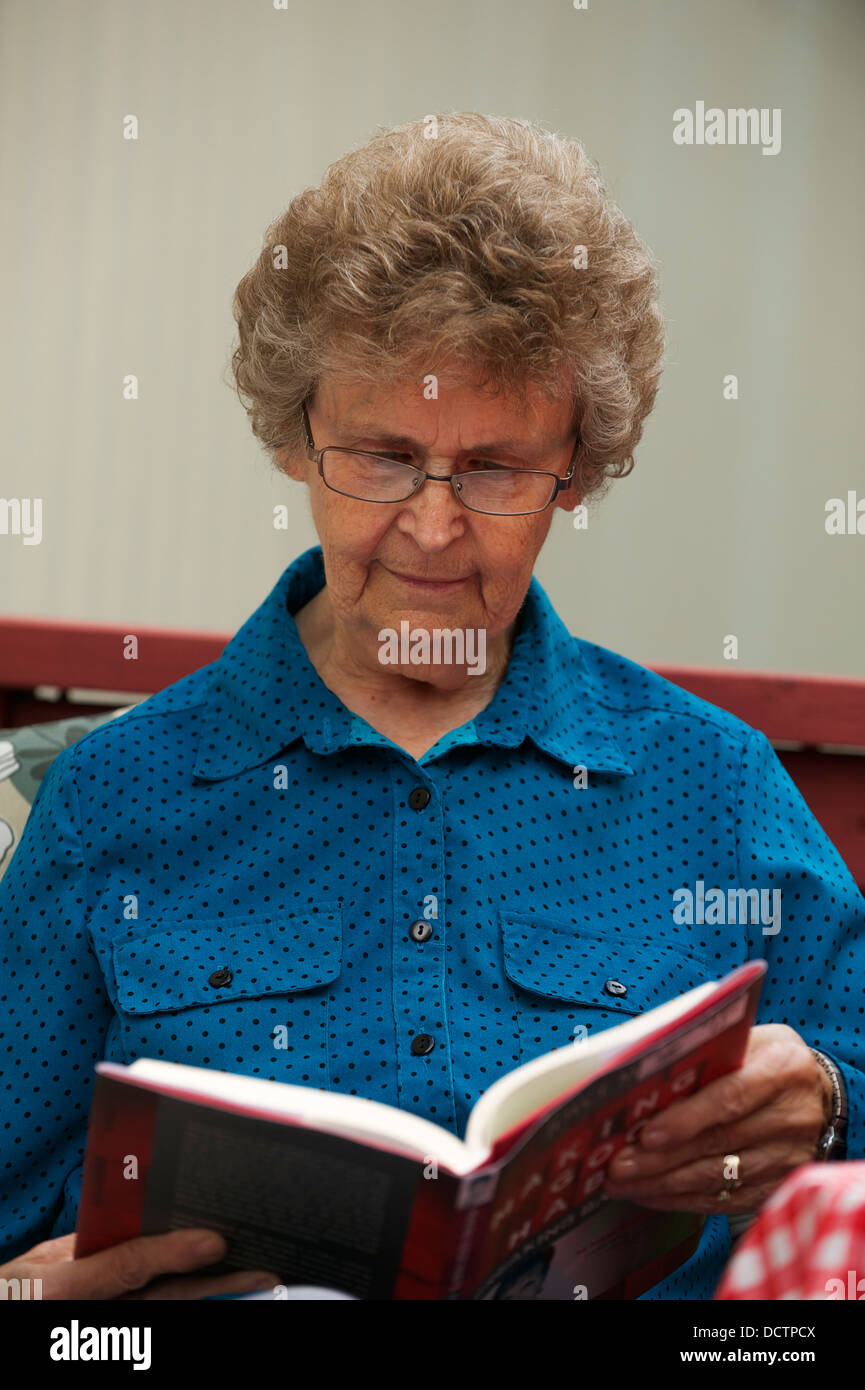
25	755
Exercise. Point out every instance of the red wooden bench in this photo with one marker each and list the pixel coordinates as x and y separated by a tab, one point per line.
816	723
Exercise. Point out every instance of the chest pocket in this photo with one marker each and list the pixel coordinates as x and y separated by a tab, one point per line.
236	994
563	979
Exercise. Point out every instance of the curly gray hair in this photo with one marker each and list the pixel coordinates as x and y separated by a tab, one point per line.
460	241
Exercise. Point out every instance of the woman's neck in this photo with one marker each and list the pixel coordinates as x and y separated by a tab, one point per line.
413	713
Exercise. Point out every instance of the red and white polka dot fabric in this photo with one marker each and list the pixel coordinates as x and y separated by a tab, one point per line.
808	1241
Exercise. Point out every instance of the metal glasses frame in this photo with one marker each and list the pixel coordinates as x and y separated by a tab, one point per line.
316	455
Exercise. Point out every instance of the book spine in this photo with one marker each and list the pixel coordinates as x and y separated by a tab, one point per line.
116	1165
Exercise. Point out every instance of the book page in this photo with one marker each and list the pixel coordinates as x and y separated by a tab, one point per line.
313	1207
367	1121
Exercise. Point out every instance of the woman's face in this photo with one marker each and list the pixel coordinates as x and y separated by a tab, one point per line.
430	560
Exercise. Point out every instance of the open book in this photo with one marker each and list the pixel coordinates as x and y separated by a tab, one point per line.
333	1190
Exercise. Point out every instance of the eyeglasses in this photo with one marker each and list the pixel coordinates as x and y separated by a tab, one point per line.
498	491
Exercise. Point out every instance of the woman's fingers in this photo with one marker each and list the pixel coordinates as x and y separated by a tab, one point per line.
777	1062
768	1161
49	1252
698	1186
782	1122
141	1269
135	1269
130	1266
240	1281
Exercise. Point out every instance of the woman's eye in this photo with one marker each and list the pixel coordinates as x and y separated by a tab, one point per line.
473	465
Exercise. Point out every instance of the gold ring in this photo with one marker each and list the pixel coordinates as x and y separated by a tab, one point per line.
732	1166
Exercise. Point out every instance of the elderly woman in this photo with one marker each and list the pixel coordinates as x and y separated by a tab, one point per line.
429	859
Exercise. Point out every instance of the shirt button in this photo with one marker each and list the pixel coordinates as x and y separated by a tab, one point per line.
615	987
220	977
420	930
421	1044
418	797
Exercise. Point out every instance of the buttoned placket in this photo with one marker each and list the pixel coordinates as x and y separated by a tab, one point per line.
424	1073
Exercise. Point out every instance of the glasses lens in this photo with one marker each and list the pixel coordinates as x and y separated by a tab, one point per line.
505	491
367	478
500	492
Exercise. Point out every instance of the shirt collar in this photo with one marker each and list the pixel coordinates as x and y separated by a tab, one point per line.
264	693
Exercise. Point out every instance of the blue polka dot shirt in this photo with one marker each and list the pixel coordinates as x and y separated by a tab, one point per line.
240	873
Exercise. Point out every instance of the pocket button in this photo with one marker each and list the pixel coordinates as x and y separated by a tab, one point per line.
615	987
219	978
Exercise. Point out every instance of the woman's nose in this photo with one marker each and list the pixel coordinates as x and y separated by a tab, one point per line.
435	507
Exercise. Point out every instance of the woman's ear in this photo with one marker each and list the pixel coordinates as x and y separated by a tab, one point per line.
292	463
568	499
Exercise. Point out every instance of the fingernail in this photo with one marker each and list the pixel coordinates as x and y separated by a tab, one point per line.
211	1244
653	1136
624	1165
257	1280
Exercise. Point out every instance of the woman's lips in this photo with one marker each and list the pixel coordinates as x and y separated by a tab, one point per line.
439	586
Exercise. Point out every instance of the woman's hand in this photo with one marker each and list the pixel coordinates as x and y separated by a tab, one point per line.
771	1112
135	1269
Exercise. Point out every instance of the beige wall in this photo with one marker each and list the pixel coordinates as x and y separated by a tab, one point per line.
121	257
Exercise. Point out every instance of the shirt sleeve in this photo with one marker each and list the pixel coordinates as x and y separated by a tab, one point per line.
54	1016
815	944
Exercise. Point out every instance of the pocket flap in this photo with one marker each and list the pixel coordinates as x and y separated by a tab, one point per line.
174	967
569	962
